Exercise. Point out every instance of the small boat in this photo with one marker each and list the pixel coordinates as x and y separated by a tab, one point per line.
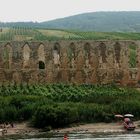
128	124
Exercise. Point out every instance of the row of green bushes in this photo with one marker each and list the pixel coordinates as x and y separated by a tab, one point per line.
58	115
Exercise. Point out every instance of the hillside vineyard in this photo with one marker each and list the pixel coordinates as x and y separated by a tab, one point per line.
79	62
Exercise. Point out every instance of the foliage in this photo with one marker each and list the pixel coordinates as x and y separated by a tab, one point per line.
57	105
55	115
73	93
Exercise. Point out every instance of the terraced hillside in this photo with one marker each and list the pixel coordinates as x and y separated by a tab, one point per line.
29	34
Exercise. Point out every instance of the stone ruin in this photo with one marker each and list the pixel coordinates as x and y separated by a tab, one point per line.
79	62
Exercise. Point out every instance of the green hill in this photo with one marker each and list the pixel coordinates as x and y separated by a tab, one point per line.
99	21
96	21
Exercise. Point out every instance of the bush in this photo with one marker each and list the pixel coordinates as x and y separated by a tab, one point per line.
10	113
55	116
94	113
26	112
129	106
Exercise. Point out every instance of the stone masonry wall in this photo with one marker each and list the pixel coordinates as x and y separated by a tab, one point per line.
79	62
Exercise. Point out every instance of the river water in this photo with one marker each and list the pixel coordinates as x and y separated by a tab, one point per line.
92	137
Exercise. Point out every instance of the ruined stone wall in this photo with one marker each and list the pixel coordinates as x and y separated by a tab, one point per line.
89	62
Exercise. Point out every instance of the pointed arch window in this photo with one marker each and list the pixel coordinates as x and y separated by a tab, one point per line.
7	56
102	48
41	57
26	56
56	54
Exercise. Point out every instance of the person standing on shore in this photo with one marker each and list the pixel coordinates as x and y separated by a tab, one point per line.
65	137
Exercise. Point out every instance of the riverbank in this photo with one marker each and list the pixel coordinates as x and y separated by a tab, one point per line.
24	129
116	127
20	129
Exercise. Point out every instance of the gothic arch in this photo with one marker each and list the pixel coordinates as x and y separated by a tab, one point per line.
26	55
57	47
72	55
87	47
7	56
41	56
56	54
71	51
102	52
117	48
132	46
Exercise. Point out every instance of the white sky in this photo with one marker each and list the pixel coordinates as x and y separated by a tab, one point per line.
44	10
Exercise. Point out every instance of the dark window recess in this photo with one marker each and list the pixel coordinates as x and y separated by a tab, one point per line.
41	65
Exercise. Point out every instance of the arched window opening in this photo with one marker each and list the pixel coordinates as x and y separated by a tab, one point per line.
26	56
72	55
56	54
87	55
117	48
57	47
7	56
103	56
41	56
41	65
71	51
132	55
87	50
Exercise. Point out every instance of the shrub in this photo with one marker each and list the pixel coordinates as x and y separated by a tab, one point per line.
55	116
26	112
10	113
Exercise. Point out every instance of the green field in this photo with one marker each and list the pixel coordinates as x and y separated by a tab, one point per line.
29	34
46	105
